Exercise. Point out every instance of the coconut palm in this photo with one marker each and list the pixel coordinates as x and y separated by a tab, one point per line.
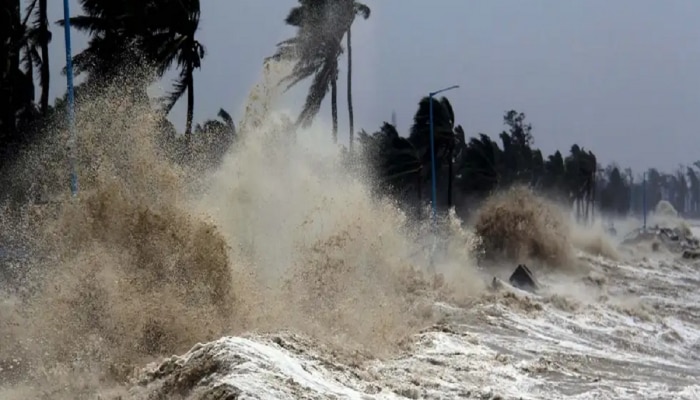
11	33
173	42
445	135
36	47
394	159
16	85
115	29
364	11
158	32
315	49
213	138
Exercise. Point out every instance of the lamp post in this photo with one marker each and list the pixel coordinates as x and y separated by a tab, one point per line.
644	200
71	100
432	149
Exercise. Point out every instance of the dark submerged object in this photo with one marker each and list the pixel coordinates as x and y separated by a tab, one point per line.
691	254
522	278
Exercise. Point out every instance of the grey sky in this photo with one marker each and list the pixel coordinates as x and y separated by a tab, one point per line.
620	77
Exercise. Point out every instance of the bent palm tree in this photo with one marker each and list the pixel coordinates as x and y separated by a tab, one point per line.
364	11
174	42
315	49
393	158
37	40
161	33
115	29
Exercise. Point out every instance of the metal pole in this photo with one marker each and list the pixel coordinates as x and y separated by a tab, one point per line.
71	101
432	150
433	197
644	200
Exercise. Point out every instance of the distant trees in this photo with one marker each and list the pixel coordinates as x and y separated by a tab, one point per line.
621	193
474	168
469	169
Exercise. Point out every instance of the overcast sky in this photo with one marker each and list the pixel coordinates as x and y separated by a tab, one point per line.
619	77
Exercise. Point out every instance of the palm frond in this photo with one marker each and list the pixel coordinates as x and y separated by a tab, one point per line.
29	11
317	91
179	89
226	117
295	17
362	9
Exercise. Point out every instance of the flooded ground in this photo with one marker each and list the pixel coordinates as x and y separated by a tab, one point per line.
634	334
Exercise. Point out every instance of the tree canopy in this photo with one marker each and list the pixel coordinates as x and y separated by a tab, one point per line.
161	36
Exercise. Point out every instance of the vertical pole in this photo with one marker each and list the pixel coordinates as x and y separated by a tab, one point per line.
434	172
432	161
644	200
631	211
71	100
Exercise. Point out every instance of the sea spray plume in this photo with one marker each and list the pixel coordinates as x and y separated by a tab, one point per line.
129	273
666	216
265	94
593	240
336	261
333	260
134	271
521	226
455	258
518	225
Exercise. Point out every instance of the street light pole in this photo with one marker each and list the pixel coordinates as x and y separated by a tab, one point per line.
432	149
644	200
71	100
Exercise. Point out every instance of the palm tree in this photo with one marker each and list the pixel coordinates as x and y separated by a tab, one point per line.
444	132
16	85
157	32
173	42
115	29
480	166
581	171
214	137
394	159
364	11
315	48
37	40
10	22
222	130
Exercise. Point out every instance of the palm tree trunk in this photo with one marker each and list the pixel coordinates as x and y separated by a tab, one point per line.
334	107
8	97
45	71
190	106
350	110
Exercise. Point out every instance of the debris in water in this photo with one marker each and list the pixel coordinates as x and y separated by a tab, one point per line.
522	278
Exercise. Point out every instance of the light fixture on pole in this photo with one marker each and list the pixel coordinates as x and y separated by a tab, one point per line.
432	150
71	100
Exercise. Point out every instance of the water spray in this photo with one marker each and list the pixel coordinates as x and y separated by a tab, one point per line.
71	100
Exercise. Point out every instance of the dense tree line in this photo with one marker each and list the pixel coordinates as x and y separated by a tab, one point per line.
470	169
621	193
162	34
